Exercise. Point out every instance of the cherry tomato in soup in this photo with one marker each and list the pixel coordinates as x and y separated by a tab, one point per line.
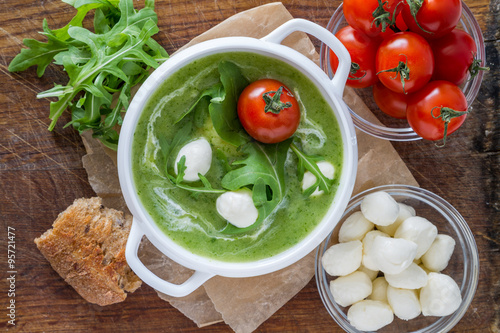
268	111
390	102
371	16
432	18
362	50
437	110
404	62
454	57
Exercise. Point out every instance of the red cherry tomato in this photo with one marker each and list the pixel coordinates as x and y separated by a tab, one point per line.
384	34
370	16
362	50
400	23
437	110
390	102
268	111
454	56
435	17
404	62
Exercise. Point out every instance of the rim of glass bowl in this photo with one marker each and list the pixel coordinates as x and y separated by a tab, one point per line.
466	240
471	88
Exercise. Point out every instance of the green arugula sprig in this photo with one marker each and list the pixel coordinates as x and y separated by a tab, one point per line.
178	180
109	61
222	100
263	170
308	162
165	161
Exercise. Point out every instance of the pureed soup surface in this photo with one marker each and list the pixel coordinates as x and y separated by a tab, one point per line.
192	221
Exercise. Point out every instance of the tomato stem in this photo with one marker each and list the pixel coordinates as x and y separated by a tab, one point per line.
354	69
382	17
475	67
415	6
274	103
446	114
402	69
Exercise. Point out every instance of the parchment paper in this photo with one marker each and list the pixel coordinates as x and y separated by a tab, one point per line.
246	303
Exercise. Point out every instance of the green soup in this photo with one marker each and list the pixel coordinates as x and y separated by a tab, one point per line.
192	221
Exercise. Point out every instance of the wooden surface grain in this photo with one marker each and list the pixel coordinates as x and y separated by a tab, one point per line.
41	174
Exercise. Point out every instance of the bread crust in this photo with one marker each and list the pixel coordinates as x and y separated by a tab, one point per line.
86	246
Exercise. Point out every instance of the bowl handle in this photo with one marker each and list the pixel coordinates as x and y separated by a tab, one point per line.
325	36
176	290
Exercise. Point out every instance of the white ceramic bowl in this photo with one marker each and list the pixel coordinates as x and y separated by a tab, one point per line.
396	129
463	266
206	268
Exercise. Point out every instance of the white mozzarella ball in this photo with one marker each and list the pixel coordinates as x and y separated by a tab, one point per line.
198	159
412	277
405	212
438	255
326	168
343	258
371	273
379	289
368	254
370	315
404	302
352	288
354	227
393	255
380	208
440	296
418	230
237	207
424	268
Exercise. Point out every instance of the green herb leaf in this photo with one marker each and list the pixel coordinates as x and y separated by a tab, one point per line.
215	92
167	149
37	54
223	160
178	181
264	170
308	162
223	101
77	20
223	110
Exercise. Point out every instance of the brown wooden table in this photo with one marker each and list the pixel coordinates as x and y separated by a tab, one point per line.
41	174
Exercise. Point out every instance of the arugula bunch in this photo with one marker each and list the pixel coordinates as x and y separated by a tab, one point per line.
101	64
262	169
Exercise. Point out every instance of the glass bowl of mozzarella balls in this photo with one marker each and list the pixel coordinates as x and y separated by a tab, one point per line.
401	259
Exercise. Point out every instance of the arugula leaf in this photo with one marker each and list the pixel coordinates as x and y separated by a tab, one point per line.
308	162
264	169
222	107
177	181
37	54
215	92
223	160
223	110
166	150
77	20
110	61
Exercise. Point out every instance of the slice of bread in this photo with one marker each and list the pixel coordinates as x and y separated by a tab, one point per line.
86	246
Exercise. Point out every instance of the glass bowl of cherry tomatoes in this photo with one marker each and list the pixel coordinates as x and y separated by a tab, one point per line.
390	91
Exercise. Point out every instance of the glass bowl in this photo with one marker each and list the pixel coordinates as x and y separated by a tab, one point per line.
397	129
463	266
